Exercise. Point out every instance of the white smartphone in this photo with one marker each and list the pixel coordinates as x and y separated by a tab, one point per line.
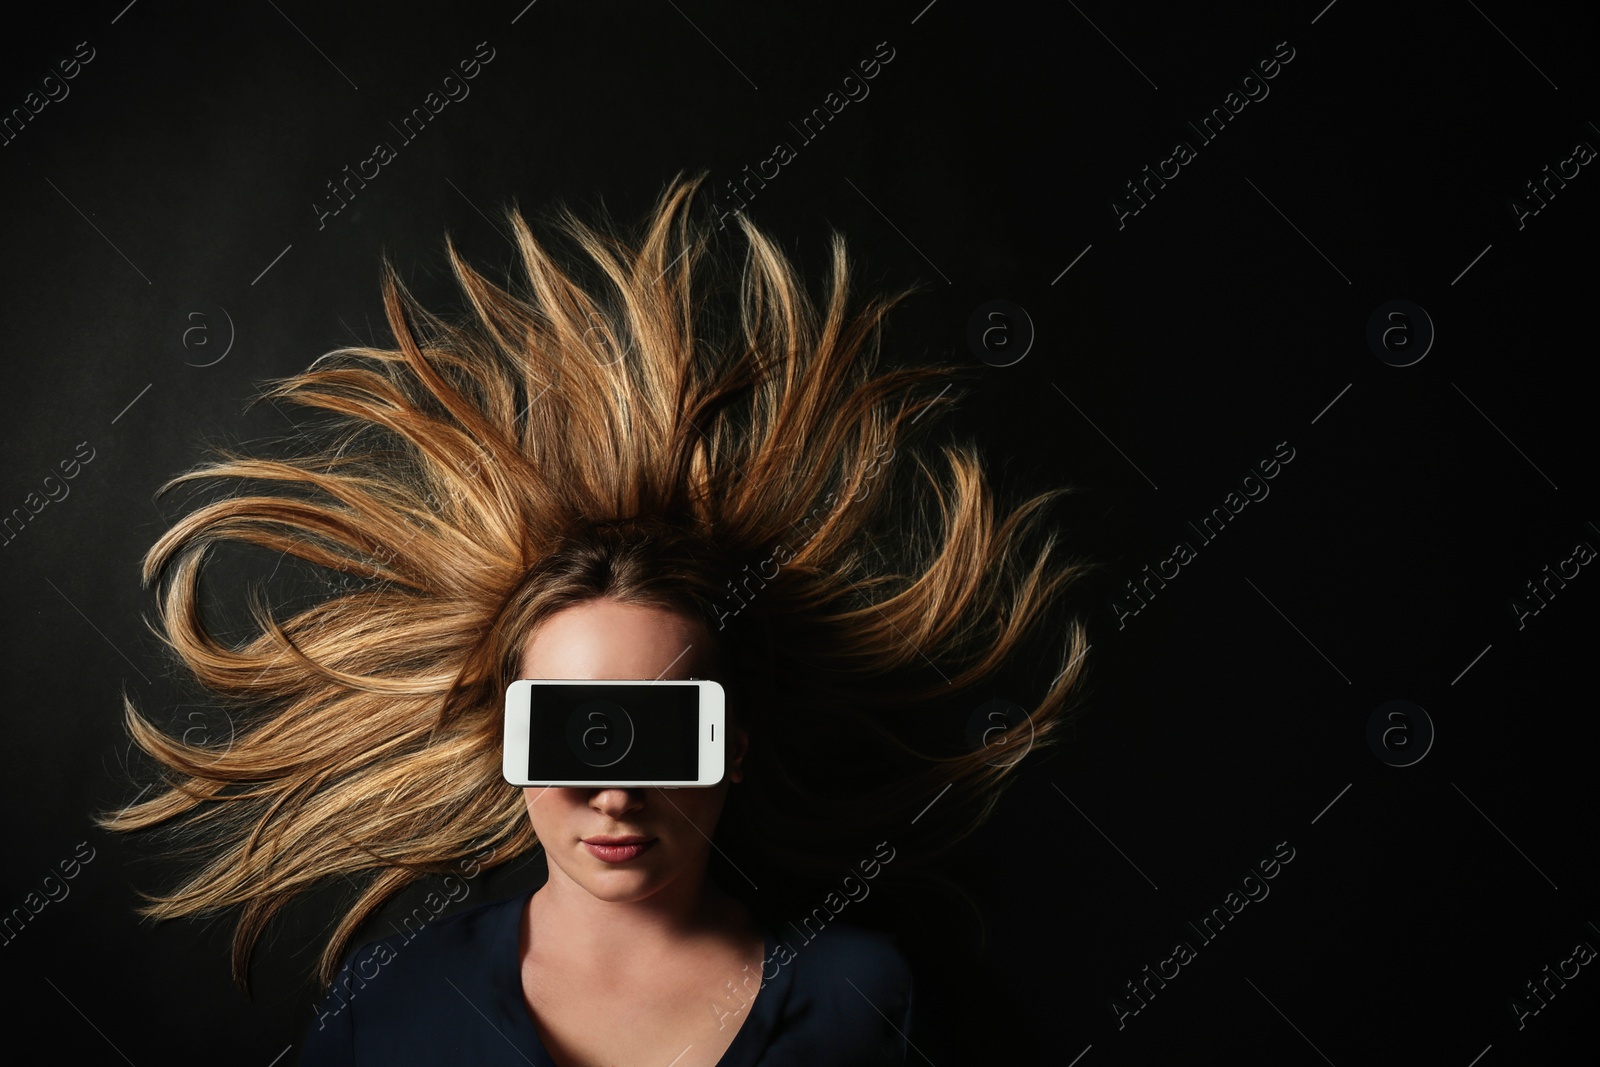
582	732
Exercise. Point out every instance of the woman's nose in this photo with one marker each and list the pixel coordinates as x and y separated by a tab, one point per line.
616	802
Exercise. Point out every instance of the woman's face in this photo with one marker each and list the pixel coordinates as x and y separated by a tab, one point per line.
608	639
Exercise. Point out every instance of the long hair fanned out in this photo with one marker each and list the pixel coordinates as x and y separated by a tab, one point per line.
653	421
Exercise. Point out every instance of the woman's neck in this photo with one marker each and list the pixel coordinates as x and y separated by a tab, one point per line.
566	921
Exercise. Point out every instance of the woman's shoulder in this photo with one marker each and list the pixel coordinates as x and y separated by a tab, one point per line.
849	960
842	990
429	947
845	949
392	1000
428	930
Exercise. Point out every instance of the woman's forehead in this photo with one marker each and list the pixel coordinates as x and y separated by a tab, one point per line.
606	638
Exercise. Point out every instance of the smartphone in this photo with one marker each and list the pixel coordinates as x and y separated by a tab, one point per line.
572	732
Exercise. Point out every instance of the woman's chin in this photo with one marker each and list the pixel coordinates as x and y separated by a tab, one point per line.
621	887
621	883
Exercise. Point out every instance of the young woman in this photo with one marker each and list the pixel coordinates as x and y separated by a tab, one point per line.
650	463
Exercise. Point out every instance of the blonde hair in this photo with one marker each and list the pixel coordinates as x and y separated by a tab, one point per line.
648	432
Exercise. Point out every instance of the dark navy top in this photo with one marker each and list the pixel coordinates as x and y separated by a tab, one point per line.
451	993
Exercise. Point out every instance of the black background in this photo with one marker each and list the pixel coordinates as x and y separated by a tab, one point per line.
1180	348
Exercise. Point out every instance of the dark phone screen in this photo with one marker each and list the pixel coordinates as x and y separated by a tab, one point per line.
623	732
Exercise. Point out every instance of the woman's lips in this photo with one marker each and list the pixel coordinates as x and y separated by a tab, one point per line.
617	849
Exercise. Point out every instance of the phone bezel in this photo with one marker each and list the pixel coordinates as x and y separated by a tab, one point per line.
711	730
